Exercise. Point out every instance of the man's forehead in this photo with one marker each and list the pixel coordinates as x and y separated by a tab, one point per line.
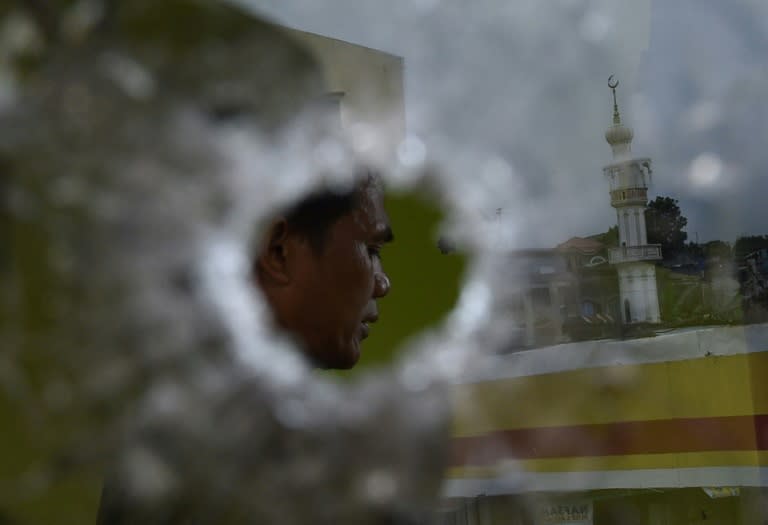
371	212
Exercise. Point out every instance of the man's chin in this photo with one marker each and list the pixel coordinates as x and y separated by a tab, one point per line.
340	358
348	359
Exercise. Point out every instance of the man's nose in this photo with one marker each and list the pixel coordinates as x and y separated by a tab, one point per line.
381	284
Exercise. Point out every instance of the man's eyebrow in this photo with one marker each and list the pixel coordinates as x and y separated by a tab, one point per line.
384	234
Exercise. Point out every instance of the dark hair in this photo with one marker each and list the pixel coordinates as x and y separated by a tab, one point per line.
313	216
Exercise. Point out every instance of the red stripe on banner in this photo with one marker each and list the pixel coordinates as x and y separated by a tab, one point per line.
615	439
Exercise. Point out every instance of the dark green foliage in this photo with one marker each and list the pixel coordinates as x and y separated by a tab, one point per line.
609	238
748	244
666	225
719	249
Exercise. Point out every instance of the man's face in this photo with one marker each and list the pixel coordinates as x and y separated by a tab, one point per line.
335	290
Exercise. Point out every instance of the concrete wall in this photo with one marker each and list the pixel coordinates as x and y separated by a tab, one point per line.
371	89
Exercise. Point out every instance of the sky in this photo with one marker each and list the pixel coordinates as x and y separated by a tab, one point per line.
523	85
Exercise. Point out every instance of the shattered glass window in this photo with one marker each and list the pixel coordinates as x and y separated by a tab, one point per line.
420	261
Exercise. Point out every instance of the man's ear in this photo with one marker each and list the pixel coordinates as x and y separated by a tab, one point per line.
271	263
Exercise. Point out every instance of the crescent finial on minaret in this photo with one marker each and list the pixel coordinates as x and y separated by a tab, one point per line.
618	135
613	83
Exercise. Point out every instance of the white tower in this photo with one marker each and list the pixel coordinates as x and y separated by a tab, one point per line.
629	178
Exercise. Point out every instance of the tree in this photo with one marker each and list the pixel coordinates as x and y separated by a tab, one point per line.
719	249
748	244
666	225
610	238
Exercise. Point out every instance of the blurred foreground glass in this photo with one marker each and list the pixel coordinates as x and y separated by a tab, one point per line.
143	157
142	150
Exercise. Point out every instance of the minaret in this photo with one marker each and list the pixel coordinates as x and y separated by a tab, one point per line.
629	178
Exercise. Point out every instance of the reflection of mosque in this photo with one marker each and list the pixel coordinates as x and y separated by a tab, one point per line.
584	288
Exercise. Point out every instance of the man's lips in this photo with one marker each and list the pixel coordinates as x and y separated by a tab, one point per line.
364	331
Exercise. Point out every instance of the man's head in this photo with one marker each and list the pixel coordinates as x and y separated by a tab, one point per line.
319	267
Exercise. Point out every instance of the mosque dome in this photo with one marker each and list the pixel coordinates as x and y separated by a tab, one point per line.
619	134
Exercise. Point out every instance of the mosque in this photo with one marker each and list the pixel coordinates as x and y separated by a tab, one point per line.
629	178
585	288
